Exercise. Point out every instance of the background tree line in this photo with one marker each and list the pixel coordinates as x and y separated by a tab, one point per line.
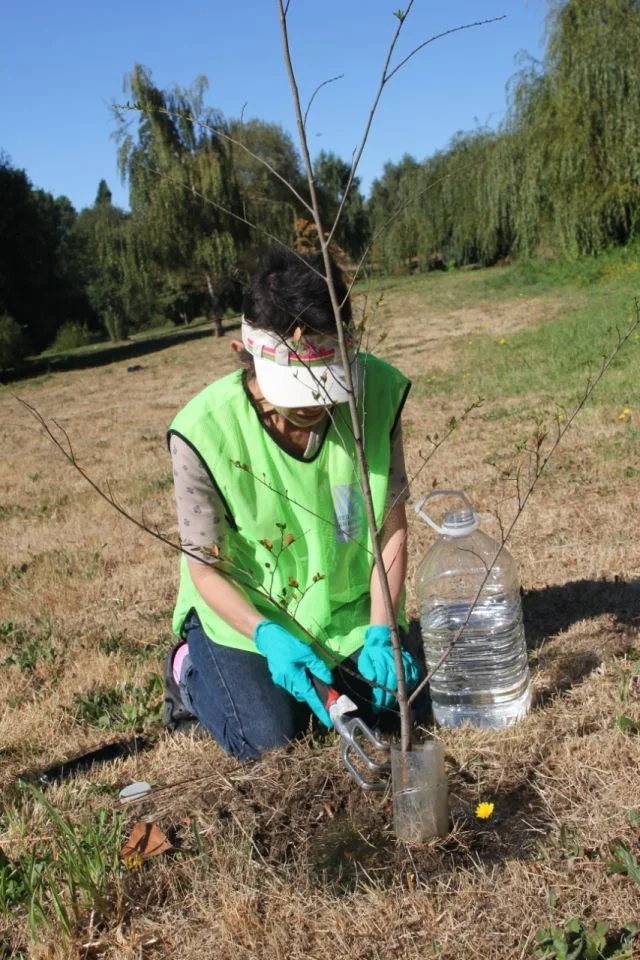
560	175
203	207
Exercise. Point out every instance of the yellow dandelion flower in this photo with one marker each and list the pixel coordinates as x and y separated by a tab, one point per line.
133	862
625	414
503	340
484	810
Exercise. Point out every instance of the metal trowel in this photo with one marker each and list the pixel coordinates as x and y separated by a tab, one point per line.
355	736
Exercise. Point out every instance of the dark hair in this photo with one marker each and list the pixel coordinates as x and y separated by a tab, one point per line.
286	293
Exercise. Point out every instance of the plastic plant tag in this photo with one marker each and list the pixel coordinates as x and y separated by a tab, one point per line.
134	791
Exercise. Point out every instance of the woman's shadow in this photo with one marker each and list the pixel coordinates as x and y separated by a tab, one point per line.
552	610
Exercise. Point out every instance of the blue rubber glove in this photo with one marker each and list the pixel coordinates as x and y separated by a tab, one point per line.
290	662
376	663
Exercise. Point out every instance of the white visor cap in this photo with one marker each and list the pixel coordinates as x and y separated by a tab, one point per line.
306	372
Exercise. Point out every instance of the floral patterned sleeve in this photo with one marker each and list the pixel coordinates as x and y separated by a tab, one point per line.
201	518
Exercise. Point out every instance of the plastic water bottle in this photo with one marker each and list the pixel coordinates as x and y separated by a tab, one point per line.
484	679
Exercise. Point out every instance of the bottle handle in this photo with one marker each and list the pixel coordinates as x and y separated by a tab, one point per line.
419	504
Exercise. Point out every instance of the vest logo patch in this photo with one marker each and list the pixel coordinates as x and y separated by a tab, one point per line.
348	509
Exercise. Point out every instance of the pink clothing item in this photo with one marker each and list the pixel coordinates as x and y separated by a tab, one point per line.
178	659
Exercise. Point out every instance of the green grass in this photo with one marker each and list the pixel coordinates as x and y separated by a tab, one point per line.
535	277
40	510
622	446
149	487
554	360
53	884
125	707
27	648
544	276
611	281
577	941
119	644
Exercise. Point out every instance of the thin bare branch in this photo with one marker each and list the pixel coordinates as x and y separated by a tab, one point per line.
453	424
384	80
71	458
317	90
372	112
439	36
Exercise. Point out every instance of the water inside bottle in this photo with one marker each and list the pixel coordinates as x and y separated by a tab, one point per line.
485	679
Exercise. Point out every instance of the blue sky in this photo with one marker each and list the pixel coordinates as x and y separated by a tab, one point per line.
62	65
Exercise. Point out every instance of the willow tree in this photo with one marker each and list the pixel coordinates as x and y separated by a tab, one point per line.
266	200
396	234
579	123
182	186
561	174
331	175
117	274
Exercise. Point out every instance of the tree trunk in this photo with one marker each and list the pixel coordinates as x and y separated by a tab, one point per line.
215	304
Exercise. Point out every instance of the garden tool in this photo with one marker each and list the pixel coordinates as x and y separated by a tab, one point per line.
354	734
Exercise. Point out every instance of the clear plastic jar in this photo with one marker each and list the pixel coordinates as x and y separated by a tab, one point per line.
466	581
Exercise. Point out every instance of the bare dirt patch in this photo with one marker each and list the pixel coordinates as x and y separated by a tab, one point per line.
418	333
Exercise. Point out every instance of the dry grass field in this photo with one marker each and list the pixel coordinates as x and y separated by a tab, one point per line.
286	858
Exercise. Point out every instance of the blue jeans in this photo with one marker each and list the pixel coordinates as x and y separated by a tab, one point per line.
232	694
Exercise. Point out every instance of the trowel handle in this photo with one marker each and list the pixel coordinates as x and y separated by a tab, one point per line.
328	695
419	504
337	704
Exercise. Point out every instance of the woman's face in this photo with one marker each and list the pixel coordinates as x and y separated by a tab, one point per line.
298	416
303	416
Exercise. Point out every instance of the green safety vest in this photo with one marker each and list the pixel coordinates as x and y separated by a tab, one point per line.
296	528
